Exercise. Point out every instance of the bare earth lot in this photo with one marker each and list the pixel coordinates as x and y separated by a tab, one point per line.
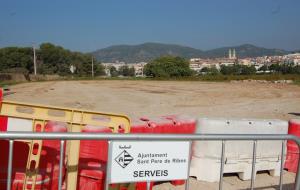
154	98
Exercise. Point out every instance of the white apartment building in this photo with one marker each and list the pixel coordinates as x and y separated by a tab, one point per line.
138	67
295	58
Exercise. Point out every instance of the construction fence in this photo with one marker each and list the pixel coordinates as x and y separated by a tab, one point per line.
12	137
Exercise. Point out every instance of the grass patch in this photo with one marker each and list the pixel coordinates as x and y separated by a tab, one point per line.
297	82
208	78
7	83
269	77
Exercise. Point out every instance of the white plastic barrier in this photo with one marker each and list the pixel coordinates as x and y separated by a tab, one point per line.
206	158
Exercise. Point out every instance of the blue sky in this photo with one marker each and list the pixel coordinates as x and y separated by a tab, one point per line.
205	24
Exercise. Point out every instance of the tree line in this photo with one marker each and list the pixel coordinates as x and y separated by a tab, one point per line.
169	66
287	68
51	59
280	68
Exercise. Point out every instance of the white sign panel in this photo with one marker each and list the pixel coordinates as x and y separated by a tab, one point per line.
133	161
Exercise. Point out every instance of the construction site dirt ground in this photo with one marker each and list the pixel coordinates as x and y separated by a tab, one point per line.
156	98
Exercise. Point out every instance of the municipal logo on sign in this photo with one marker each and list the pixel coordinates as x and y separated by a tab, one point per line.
124	159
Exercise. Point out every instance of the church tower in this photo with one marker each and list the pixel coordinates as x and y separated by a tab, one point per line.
234	54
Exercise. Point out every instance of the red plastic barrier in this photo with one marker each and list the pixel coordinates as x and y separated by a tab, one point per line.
292	157
50	156
182	124
92	160
172	124
20	155
3	123
143	185
47	178
147	125
178	182
18	182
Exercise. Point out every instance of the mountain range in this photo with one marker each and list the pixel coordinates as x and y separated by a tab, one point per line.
149	51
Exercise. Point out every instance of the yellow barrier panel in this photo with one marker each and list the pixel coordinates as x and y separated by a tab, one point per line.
76	119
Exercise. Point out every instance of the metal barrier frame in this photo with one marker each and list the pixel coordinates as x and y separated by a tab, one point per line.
11	136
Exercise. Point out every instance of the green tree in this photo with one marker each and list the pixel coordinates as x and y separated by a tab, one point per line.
237	69
113	71
205	70
248	70
56	59
127	71
275	67
263	68
99	69
12	58
285	68
211	70
230	69
168	66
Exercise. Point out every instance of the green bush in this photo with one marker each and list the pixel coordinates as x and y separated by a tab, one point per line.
237	69
126	71
113	71
285	68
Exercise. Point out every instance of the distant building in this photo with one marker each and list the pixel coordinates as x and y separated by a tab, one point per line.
293	58
227	62
245	61
197	64
138	67
116	65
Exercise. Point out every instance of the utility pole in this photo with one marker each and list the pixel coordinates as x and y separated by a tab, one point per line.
92	66
34	60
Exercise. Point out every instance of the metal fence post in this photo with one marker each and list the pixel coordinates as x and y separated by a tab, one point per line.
187	185
281	164
253	172
9	167
61	161
108	166
148	185
222	165
297	181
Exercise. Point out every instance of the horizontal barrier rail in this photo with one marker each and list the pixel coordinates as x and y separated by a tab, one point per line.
144	137
11	136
